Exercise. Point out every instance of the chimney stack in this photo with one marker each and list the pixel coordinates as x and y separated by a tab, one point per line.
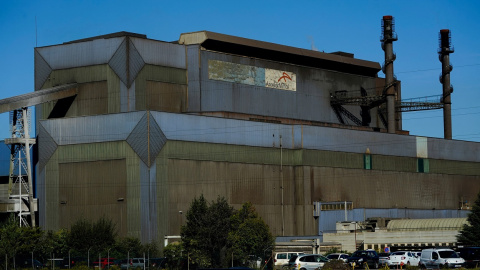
387	39
444	55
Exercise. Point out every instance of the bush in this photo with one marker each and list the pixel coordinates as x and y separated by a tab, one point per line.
336	265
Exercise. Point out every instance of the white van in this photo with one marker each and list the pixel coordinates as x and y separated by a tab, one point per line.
281	259
440	258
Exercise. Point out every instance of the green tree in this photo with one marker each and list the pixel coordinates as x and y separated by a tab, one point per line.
204	236
16	241
470	233
250	236
97	236
174	254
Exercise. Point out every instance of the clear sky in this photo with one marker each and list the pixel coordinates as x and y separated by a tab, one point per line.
351	26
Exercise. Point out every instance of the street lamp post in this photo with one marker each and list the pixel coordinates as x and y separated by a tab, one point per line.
108	257
88	257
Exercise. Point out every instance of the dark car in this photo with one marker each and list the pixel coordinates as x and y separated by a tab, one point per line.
361	258
27	263
471	255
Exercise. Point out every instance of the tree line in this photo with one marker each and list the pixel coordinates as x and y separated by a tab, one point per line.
214	235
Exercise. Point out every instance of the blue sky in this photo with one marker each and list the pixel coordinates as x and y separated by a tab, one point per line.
350	26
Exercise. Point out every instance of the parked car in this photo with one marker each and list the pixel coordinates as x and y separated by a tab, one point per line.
307	262
400	258
440	258
133	263
282	258
382	258
28	262
104	262
471	255
338	256
361	258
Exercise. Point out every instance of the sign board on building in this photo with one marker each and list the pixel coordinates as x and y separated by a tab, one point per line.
251	75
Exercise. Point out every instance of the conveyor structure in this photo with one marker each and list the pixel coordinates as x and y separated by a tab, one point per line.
20	186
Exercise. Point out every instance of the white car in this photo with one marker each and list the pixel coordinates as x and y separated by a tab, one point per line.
400	258
307	262
440	258
338	256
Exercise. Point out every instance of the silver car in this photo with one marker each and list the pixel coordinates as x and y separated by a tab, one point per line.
133	263
307	262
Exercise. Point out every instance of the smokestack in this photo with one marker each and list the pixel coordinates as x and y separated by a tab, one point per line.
387	39
444	52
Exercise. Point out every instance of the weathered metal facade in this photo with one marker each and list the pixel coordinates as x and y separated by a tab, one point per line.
136	145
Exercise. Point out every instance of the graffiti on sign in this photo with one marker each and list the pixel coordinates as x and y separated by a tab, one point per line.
251	75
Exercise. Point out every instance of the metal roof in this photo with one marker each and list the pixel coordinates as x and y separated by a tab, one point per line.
271	51
427	224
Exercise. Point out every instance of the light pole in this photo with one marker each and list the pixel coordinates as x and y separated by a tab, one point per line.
88	257
108	257
69	260
355	230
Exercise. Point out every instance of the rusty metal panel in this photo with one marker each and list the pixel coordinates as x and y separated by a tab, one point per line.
100	128
91	190
193	71
161	53
88	53
166	97
42	70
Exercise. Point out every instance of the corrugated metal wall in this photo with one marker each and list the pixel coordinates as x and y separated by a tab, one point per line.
311	100
158	74
92	180
92	190
234	172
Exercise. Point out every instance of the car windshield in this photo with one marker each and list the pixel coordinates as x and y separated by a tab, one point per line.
360	253
332	256
448	254
398	253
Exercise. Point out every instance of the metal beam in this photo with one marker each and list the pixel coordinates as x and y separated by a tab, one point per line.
38	97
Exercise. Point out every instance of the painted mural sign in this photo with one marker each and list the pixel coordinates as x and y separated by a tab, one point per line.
251	75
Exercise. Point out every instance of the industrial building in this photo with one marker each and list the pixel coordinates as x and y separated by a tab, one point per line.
310	138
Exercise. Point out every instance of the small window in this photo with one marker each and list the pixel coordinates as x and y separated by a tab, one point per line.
422	165
367	161
434	256
282	256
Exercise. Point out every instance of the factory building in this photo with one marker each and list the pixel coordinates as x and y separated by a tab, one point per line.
155	124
